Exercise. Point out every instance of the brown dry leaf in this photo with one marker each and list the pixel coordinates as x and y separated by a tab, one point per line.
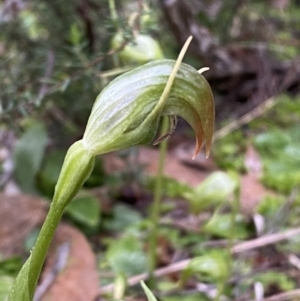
19	215
174	168
253	162
252	191
78	280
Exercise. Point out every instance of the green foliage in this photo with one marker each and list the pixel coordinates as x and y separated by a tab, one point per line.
279	279
229	152
40	34
28	156
172	187
221	225
10	266
213	266
122	218
292	245
215	189
48	174
51	167
126	256
283	116
149	294
270	205
281	158
85	209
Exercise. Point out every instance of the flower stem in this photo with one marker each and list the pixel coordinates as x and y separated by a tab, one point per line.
76	169
155	209
43	242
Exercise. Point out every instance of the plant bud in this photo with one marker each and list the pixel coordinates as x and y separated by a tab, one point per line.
140	50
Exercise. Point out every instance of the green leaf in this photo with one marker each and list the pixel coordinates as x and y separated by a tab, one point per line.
10	266
281	157
272	278
148	293
215	266
221	225
49	173
85	209
216	188
270	205
125	255
28	156
172	187
122	217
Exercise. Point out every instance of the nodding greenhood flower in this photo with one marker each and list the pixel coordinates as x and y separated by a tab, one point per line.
127	111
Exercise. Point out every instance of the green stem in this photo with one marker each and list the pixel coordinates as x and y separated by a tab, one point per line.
113	11
42	244
155	209
76	169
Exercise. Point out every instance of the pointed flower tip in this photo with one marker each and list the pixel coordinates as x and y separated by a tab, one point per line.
196	152
198	148
207	153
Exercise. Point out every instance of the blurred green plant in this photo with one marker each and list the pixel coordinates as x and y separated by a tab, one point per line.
214	190
229	152
121	218
214	266
220	225
280	151
28	156
85	210
279	279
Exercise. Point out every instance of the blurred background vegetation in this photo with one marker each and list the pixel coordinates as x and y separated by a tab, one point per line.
55	58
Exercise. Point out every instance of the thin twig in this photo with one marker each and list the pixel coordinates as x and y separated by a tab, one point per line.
256	112
50	60
283	296
238	248
264	241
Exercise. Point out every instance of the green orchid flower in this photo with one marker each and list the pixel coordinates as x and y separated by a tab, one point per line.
126	113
